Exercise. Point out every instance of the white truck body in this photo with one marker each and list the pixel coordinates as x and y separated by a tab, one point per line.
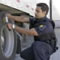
23	5
30	5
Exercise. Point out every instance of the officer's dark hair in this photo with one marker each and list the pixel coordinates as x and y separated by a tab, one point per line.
43	6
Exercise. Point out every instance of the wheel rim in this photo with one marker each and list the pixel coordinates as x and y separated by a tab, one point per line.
7	42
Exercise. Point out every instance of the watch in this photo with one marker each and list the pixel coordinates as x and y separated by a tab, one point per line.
13	26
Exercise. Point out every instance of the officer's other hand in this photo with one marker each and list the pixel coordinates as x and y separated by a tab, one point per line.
9	26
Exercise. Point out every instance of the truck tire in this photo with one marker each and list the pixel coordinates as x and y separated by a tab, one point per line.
8	43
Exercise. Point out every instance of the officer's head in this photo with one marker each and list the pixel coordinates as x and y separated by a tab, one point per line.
41	10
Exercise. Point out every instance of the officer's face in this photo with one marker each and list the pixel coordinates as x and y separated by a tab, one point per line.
39	13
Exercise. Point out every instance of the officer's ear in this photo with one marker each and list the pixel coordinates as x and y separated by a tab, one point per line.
44	12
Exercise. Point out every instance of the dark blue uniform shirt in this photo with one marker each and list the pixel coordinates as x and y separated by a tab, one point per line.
45	28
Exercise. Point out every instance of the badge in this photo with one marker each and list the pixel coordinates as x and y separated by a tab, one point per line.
41	26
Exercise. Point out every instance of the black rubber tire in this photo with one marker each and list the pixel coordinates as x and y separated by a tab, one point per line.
18	51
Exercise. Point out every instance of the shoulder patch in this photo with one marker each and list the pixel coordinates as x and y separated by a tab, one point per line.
41	26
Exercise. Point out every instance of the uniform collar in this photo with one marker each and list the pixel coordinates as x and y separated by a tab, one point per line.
41	19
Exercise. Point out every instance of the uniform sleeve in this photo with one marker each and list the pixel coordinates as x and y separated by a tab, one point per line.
31	19
44	29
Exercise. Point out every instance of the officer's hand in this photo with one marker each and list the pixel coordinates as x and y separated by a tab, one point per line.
8	15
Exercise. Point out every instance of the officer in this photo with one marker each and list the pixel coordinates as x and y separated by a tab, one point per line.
42	29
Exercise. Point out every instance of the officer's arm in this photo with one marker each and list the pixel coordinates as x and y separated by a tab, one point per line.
26	31
18	18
